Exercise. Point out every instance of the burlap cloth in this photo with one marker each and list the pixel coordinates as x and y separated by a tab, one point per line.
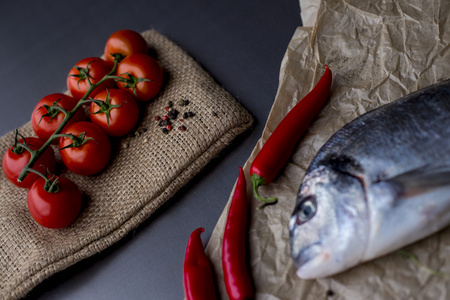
378	50
145	172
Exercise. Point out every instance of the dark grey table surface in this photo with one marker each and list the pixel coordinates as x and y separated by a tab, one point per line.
240	43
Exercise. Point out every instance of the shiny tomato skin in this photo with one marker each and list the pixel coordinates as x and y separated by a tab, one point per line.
89	158
141	66
122	119
125	42
98	68
54	210
14	163
45	127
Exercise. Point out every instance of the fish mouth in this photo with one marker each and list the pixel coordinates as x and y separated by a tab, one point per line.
310	261
307	254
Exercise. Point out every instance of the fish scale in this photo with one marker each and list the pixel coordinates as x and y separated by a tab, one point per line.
379	183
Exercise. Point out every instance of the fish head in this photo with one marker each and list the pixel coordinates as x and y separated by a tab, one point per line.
329	227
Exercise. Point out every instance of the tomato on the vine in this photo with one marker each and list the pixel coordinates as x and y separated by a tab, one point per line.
96	68
54	209
142	76
88	151
124	42
116	112
17	157
45	118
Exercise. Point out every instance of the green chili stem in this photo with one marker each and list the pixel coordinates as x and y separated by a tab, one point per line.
35	154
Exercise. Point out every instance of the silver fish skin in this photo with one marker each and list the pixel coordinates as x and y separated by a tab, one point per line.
380	183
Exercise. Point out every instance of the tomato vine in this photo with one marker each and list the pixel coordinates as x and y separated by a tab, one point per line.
112	87
68	114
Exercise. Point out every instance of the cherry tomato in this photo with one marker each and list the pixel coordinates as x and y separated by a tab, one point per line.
145	67
54	209
77	83
118	113
89	155
14	163
125	42
45	120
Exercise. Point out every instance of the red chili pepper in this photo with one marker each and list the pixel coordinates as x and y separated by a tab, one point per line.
234	253
281	143
198	276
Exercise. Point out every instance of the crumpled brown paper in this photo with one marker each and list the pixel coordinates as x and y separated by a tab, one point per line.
378	51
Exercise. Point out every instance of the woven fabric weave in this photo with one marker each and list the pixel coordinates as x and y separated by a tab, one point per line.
146	170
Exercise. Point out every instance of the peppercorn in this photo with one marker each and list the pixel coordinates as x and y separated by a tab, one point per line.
183	102
188	114
173	114
164	123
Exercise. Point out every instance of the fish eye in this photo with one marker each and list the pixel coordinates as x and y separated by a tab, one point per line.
306	210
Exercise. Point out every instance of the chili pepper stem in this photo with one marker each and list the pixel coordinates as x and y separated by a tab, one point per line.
257	181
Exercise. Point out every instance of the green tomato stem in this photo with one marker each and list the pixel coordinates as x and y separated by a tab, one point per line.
35	154
51	184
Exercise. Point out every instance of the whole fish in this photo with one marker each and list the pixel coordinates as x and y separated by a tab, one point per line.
381	182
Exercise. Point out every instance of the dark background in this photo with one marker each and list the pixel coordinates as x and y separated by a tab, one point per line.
240	43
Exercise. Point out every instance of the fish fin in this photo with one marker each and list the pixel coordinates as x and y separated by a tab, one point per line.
422	180
408	207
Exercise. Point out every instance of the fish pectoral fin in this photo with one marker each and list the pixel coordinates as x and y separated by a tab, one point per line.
408	207
422	180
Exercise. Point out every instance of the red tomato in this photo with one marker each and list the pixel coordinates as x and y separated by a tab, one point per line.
141	66
44	126
93	153
125	42
54	209
77	83
14	163
118	113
